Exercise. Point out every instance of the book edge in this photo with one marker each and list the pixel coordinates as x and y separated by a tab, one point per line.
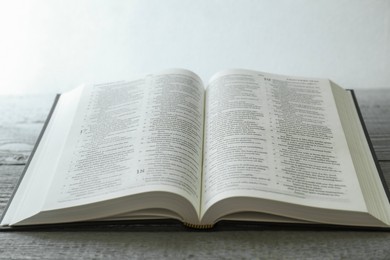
57	97
373	154
173	225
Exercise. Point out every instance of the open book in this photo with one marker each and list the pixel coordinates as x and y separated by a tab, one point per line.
249	146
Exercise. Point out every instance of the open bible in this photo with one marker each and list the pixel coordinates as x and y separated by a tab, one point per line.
248	146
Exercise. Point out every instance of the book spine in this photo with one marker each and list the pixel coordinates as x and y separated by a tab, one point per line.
198	226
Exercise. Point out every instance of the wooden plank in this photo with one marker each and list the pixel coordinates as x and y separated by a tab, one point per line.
195	245
9	176
375	108
385	166
21	120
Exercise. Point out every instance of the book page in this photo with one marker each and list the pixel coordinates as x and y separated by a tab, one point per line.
277	138
131	137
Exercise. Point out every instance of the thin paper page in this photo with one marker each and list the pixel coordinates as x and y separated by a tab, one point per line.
132	137
277	138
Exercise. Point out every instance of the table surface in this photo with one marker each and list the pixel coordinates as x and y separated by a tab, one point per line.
21	119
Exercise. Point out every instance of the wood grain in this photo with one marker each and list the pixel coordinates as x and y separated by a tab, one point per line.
195	245
375	108
21	119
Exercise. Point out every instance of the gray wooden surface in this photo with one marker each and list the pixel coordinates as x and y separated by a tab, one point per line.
21	118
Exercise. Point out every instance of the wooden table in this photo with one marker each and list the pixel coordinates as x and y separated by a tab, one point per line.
21	118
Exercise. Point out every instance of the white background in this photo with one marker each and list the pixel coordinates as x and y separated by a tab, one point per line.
53	46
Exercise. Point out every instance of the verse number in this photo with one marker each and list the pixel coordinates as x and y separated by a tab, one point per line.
140	171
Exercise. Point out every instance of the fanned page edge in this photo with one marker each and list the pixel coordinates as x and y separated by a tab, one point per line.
370	144
368	171
48	118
